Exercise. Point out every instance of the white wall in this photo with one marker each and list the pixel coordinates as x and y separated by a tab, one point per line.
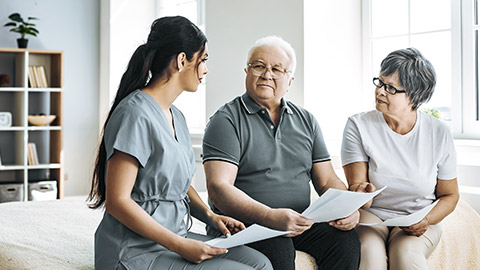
232	28
72	27
333	65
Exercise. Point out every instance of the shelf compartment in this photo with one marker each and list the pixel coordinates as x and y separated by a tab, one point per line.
48	103
47	174
52	61
12	63
48	144
11	148
12	176
13	102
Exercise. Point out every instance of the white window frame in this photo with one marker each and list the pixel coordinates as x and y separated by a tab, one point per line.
464	98
471	126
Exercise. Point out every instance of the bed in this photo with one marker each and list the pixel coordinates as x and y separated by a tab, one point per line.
59	235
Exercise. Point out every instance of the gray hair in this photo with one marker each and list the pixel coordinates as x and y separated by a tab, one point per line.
277	42
415	74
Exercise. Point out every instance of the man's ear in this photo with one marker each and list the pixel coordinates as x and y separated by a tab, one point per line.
290	81
181	57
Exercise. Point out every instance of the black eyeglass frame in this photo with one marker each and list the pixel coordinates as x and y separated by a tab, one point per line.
388	88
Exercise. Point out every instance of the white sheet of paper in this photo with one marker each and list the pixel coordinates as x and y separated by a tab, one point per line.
336	204
251	234
405	221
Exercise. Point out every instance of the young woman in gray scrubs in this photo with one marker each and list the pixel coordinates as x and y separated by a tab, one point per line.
145	164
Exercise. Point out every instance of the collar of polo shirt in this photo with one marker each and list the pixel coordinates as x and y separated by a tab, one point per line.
252	107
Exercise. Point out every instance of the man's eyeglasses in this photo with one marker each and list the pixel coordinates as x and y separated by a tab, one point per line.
388	88
259	69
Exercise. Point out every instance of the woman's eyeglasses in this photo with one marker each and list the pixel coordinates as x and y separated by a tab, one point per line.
388	88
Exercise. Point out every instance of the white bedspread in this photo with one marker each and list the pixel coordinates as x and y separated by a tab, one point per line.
47	234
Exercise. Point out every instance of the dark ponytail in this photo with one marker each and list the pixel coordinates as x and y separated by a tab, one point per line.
168	37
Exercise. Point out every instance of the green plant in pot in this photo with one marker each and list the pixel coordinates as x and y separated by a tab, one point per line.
19	25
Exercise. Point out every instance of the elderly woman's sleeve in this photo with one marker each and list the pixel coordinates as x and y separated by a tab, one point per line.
352	145
220	141
447	165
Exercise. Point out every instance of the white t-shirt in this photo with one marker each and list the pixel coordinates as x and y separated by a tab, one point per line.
408	165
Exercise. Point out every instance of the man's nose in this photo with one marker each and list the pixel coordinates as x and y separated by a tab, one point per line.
267	70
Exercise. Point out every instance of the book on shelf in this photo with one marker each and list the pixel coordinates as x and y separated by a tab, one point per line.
32	154
43	76
31	77
37	77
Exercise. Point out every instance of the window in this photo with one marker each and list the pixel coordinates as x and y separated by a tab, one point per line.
191	104
446	32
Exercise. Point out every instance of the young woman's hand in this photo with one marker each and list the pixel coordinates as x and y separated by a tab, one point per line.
196	251
226	225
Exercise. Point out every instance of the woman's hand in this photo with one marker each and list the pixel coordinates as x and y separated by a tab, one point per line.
348	223
196	251
226	225
365	187
417	229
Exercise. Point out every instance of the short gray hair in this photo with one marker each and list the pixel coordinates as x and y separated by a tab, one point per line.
277	42
415	74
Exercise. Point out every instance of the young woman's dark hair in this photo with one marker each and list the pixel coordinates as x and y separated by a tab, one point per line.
168	37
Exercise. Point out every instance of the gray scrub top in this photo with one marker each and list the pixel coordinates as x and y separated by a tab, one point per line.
274	162
139	128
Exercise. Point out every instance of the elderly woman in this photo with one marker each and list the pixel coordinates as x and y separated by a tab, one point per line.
410	152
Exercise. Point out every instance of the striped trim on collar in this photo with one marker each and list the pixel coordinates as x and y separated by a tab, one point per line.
252	107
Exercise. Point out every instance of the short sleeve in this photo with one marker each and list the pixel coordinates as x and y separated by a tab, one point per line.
320	152
352	147
220	141
128	131
447	165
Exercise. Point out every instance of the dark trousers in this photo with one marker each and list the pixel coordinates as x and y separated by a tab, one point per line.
331	248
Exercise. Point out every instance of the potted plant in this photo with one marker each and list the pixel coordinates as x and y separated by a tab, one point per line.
22	27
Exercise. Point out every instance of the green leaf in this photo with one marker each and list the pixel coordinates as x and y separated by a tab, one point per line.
15	17
33	18
34	30
10	24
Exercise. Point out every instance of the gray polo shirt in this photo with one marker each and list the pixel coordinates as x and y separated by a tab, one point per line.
274	162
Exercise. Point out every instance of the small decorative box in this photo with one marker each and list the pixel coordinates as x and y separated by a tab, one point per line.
5	119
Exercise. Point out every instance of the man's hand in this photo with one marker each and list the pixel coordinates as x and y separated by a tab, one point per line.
284	219
348	223
365	187
417	229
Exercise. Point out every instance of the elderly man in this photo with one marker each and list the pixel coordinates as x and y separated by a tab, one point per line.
260	152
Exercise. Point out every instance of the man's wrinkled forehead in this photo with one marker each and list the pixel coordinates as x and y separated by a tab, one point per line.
271	55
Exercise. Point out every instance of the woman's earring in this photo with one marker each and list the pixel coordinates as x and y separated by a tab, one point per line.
179	70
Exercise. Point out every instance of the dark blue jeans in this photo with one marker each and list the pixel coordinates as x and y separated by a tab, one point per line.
331	248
